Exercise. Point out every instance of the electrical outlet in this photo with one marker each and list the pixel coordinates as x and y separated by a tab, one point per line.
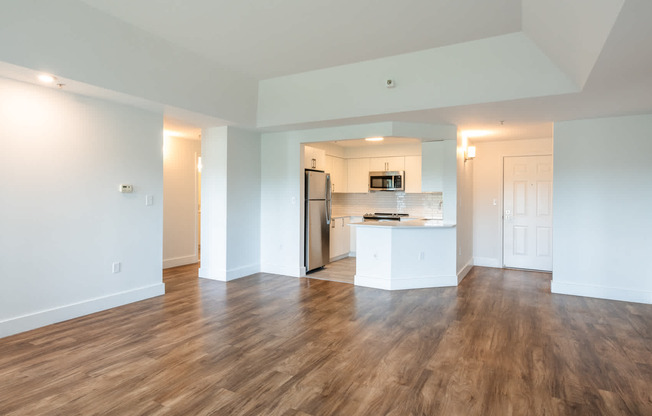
115	268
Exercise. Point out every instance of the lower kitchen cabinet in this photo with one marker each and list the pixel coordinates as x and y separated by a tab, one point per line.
352	235
339	238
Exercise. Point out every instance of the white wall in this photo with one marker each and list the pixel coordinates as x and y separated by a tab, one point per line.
282	181
487	187
180	193
62	218
231	189
213	203
602	200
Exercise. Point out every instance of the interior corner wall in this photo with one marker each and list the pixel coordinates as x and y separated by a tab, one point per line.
243	203
488	187
213	203
464	219
230	199
602	199
63	221
180	193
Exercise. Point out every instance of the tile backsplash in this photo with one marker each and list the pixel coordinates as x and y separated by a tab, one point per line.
425	205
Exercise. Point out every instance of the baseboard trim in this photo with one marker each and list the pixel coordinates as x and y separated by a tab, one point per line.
600	292
282	270
242	271
487	262
180	261
75	310
340	257
231	274
465	270
404	283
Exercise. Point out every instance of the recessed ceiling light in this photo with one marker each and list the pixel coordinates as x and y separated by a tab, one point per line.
46	78
374	139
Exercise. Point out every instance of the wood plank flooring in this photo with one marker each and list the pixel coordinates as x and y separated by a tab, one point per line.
338	271
499	344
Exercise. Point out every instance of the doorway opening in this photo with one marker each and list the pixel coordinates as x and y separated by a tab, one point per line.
349	163
181	195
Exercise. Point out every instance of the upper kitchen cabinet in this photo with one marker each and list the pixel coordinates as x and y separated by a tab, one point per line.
438	163
358	175
413	174
377	164
314	158
338	168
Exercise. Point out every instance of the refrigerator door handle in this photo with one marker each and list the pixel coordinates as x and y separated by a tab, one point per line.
328	199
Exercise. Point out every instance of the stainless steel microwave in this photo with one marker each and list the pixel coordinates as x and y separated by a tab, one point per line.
387	181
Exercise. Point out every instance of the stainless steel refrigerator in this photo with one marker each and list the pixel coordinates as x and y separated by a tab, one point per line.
318	219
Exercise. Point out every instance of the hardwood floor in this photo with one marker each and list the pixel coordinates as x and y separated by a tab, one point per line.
338	271
499	344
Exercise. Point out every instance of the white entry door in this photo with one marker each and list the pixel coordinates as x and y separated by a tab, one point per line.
527	216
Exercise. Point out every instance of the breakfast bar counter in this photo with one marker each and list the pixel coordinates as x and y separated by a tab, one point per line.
412	254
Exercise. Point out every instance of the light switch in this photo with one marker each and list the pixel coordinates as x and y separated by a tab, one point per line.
149	200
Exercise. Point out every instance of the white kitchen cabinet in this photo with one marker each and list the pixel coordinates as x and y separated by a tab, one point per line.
358	175
438	164
337	167
377	164
314	158
352	238
412	174
339	238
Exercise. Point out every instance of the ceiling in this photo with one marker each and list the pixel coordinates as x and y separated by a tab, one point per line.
604	47
270	38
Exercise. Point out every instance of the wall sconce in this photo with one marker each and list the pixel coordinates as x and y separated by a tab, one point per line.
469	153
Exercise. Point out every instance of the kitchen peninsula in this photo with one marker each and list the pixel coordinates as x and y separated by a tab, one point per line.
412	254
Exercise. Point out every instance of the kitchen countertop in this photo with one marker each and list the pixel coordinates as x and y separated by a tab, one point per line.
410	223
340	215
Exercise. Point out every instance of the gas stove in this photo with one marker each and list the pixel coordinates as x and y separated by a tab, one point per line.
386	216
